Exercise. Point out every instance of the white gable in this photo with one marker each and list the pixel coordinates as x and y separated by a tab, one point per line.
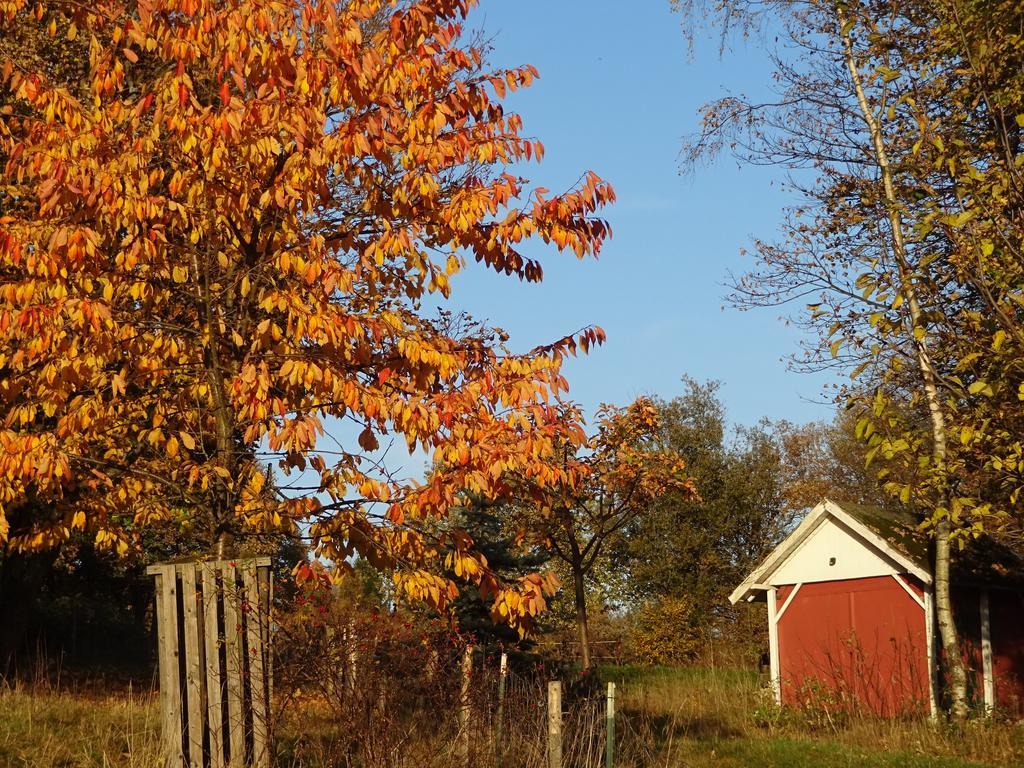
833	551
828	545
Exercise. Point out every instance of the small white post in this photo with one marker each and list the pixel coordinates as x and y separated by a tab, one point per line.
773	646
988	683
609	744
933	667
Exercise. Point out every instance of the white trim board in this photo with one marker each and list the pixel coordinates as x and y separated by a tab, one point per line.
916	597
930	640
987	677
773	647
785	605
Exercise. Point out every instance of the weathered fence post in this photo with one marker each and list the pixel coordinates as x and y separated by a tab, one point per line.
500	714
213	629
464	705
609	743
351	655
555	724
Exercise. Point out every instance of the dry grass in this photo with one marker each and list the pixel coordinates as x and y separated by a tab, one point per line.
674	718
43	727
697	717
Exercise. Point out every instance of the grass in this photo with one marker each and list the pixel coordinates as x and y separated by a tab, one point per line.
675	718
701	717
54	729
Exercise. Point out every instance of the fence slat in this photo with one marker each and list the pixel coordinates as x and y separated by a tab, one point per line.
161	651
233	652
214	691
266	585
167	623
257	682
193	666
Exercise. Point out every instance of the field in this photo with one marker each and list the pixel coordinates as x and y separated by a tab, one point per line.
668	717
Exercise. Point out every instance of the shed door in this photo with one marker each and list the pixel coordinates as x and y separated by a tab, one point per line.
853	643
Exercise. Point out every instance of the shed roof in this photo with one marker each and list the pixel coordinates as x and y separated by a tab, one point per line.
983	560
897	528
896	535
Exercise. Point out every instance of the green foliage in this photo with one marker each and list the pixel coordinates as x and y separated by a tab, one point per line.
486	523
685	555
669	630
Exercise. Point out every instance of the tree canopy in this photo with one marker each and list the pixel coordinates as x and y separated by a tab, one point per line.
227	239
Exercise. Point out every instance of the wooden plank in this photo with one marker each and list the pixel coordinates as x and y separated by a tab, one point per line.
211	638
193	666
162	657
265	580
233	652
167	623
906	588
257	679
219	565
789	599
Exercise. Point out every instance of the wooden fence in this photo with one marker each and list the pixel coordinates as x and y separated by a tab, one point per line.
213	628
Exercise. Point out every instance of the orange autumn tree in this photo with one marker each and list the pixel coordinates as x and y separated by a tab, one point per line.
222	246
593	489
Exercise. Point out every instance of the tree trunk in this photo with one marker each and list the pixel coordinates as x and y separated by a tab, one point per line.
221	512
953	661
581	615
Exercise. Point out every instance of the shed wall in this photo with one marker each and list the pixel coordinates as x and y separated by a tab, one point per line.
855	643
1006	632
1005	611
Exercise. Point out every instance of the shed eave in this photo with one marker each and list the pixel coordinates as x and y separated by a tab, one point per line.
749	593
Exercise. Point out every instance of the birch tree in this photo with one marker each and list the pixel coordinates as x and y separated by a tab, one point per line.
883	298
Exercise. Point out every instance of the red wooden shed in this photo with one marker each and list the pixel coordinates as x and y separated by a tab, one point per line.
851	616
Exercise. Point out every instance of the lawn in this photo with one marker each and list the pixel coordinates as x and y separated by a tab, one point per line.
668	717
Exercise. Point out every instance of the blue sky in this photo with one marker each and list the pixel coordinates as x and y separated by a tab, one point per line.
618	90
